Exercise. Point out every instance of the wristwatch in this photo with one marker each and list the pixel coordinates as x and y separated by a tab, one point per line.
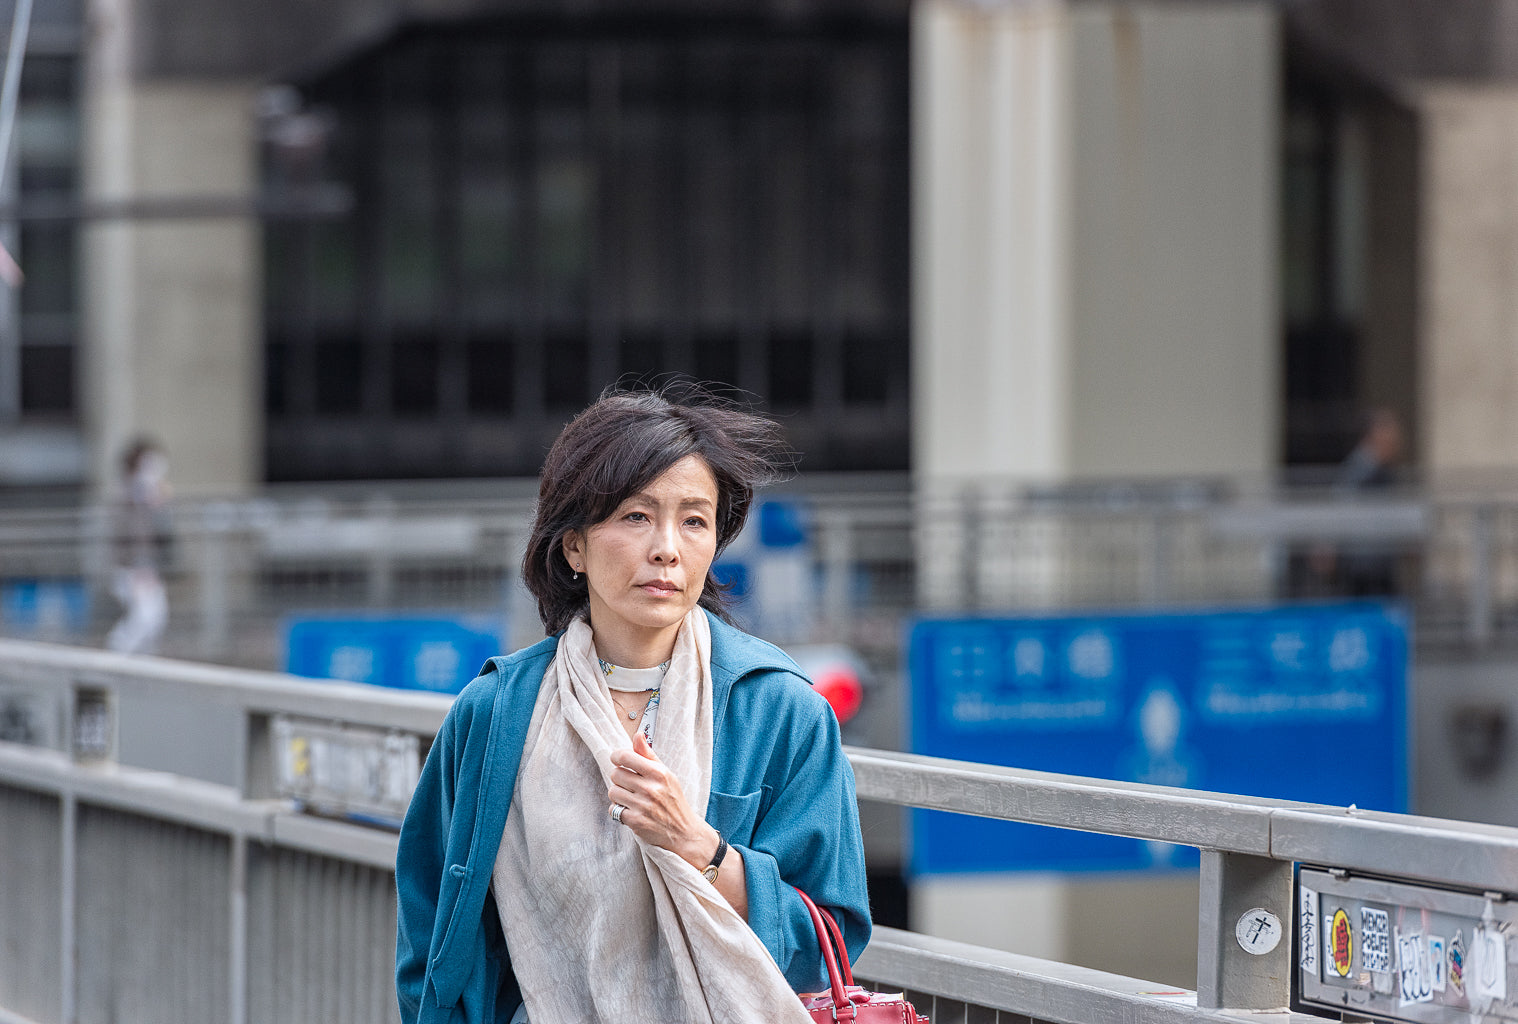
710	871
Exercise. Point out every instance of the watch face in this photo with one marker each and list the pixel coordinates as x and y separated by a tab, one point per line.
709	873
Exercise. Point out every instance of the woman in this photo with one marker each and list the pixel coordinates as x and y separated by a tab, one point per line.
610	822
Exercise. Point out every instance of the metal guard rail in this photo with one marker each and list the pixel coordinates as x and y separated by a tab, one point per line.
1249	845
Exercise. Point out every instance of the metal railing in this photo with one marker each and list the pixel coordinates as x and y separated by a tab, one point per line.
237	570
154	896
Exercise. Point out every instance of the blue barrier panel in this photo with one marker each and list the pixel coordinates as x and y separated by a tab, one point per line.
44	606
432	653
1300	702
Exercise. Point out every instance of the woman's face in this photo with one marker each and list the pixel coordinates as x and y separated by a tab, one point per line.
646	564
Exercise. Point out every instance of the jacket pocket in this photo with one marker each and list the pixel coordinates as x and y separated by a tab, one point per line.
734	815
449	967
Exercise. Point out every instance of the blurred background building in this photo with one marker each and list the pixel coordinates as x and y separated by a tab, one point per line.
383	240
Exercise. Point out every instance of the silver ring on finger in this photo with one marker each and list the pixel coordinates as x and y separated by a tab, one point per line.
616	813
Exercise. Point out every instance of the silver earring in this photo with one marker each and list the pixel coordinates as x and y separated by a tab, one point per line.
577	572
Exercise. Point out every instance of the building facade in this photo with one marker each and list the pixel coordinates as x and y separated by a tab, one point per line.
1049	240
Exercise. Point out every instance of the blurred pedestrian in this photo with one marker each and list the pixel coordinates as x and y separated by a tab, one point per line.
1362	568
141	533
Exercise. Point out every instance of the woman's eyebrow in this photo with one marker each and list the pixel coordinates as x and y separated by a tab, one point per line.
694	501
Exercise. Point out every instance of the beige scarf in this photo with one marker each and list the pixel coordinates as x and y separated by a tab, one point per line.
602	927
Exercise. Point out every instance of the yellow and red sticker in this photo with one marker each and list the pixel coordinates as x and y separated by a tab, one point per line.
1342	943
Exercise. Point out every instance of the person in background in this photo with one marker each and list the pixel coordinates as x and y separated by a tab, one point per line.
140	530
1362	568
610	823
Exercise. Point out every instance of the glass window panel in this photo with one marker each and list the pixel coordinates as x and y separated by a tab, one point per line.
492	374
334	270
642	356
47	258
565	200
565	369
339	376
413	376
276	397
717	358
790	369
868	363
47	379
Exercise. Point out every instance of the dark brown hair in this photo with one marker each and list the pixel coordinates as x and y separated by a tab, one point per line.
621	444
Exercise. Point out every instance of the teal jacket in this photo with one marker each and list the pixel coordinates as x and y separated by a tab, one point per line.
782	794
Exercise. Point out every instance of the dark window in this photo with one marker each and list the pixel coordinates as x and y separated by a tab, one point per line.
542	205
642	356
339	376
413	376
491	375
47	256
868	364
717	358
47	379
791	369
565	357
276	399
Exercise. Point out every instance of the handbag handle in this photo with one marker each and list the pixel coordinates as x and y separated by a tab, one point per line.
827	935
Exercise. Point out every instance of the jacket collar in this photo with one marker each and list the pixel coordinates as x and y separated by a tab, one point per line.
736	654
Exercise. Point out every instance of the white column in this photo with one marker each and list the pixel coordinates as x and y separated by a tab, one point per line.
991	222
172	312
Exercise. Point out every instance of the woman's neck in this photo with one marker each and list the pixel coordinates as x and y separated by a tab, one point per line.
630	647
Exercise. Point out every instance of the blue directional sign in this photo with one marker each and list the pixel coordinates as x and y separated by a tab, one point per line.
438	653
1300	702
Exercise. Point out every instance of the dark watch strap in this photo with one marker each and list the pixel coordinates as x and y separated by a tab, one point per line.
710	871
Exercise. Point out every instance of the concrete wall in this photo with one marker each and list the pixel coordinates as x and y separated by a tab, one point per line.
1468	295
172	313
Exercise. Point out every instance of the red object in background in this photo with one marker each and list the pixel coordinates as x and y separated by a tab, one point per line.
840	685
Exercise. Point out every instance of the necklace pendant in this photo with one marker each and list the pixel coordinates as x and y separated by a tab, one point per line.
631	715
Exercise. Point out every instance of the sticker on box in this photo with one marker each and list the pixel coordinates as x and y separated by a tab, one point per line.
1341	943
1309	946
1413	982
1455	959
1488	978
1438	966
1375	940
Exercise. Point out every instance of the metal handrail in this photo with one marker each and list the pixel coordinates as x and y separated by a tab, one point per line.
1266	837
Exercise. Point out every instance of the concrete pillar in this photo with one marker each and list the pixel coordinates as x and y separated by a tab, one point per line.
1095	239
1468	295
173	321
1094	295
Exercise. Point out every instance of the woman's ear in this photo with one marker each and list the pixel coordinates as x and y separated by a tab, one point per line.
574	550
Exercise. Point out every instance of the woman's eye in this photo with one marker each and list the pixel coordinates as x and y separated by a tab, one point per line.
637	517
695	521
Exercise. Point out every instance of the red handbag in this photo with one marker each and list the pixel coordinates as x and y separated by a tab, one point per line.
844	1000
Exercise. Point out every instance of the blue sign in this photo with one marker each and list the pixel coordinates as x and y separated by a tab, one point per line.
1300	702
45	606
439	654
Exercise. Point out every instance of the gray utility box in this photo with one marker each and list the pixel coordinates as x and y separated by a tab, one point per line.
1392	950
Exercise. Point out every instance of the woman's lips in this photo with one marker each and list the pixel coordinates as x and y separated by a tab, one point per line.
659	588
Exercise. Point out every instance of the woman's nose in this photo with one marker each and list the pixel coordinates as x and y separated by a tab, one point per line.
665	551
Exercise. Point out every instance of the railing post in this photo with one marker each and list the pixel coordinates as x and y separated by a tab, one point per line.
1479	623
68	899
835	535
215	524
1235	889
